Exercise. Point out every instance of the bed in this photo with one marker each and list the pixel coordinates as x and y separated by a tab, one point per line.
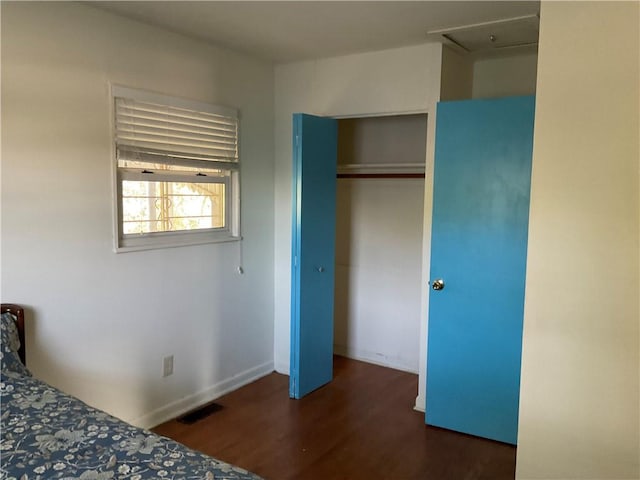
47	434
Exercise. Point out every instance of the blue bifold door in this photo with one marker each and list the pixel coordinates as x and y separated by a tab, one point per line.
478	261
313	252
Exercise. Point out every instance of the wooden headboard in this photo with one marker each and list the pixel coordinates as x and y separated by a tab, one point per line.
18	311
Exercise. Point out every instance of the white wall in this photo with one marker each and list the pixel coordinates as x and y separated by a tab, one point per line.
378	270
391	81
100	322
457	75
579	404
505	76
387	143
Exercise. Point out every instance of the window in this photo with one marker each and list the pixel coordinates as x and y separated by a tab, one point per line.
177	171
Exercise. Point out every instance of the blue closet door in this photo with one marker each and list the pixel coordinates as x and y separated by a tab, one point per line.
478	249
313	252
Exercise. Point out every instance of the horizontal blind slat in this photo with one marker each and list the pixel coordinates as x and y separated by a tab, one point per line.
225	127
177	147
178	111
165	111
142	96
173	138
135	122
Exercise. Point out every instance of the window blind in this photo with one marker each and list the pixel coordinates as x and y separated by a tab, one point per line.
163	133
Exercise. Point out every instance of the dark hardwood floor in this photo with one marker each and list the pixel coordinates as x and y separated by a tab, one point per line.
360	426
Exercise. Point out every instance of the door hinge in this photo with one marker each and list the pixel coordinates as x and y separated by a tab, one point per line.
297	140
295	261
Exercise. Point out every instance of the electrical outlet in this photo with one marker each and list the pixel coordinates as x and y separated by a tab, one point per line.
167	366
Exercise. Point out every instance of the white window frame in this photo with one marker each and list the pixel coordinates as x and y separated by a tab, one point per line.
146	241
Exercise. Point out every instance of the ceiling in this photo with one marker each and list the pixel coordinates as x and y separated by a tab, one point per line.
286	31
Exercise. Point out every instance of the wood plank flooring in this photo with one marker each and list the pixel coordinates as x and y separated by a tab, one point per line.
360	426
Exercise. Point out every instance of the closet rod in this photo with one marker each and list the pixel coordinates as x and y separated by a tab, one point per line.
380	175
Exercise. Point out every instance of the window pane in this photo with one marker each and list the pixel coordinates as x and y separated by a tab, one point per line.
171	206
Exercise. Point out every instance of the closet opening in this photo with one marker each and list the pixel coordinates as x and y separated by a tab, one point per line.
378	255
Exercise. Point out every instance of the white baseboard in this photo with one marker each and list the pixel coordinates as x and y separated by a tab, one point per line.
282	367
177	408
371	357
421	404
364	356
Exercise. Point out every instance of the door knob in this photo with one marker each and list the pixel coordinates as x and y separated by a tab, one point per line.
320	269
437	284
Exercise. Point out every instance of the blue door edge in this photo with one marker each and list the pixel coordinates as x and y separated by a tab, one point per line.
294	360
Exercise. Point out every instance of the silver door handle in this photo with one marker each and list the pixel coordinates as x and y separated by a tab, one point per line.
437	284
320	269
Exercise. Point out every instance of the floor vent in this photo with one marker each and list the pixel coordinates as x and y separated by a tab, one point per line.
200	413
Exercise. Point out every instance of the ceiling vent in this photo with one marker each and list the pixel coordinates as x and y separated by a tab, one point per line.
500	36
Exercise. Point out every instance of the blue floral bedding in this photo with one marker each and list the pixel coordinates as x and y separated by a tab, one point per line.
47	434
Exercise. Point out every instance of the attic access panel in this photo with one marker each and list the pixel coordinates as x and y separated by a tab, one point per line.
491	36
